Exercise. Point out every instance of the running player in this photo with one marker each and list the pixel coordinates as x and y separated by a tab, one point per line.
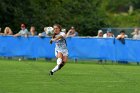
61	51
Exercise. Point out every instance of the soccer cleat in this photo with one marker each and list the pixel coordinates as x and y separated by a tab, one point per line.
51	73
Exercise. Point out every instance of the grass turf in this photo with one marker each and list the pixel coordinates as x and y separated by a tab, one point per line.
32	77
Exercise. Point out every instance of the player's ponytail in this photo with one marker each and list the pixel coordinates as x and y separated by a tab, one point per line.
53	36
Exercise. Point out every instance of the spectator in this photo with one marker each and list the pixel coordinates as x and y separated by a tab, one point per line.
108	34
0	31
47	32
22	32
63	30
32	31
72	32
122	35
136	34
100	34
8	31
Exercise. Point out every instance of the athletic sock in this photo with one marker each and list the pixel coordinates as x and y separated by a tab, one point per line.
55	68
59	61
61	65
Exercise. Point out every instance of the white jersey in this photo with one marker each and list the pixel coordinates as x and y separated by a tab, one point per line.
61	45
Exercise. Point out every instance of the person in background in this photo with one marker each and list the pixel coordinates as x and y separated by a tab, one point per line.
47	32
22	32
64	30
100	34
1	32
136	33
72	32
32	31
8	31
108	34
122	35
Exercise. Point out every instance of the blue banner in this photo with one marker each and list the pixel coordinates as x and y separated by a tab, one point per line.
79	47
33	47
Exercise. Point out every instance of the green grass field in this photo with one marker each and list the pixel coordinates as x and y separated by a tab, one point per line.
32	77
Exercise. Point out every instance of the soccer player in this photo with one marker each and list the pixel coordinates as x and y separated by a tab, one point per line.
61	51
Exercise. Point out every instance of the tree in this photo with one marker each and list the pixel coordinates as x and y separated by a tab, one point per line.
85	15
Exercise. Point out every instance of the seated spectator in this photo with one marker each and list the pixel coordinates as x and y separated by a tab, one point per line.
122	35
48	31
32	31
22	32
72	32
100	34
136	34
8	31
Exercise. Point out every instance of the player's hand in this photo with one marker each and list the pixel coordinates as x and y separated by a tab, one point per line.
51	41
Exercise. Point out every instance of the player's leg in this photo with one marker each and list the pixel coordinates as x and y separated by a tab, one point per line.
59	61
64	60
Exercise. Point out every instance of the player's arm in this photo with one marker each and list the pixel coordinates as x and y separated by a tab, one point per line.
55	39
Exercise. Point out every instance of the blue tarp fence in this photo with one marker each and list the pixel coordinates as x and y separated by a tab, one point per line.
79	48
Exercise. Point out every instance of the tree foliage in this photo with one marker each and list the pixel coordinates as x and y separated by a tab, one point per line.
86	15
